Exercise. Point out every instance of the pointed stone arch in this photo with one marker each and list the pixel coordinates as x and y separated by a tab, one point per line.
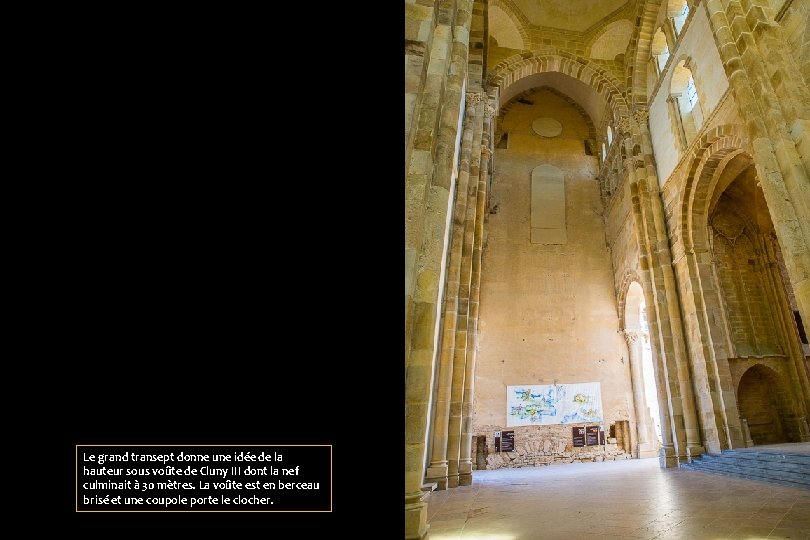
519	66
517	19
715	147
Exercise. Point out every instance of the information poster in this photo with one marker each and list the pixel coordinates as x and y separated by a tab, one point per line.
528	405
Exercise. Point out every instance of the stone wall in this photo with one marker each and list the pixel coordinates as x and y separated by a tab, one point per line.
797	31
695	43
547	445
547	311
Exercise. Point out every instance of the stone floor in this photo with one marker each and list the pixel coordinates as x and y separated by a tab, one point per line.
616	499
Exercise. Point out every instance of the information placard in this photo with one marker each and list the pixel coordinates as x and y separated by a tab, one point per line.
579	436
592	435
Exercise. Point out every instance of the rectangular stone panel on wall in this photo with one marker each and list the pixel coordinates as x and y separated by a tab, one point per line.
548	206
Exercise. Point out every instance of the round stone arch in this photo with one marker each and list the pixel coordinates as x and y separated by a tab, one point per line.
630	277
764	400
646	16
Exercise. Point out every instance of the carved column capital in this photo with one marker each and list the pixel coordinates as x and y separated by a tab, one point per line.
624	125
641	116
474	98
633	336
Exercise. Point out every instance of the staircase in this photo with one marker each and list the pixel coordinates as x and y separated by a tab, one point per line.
766	465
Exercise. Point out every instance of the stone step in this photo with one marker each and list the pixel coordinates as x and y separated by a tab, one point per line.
767	456
778	481
774	467
803	479
789	466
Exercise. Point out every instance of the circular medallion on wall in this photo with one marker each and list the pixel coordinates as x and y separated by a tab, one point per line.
546	127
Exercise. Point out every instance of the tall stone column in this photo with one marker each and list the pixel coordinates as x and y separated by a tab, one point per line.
666	382
465	462
645	446
425	261
462	329
662	298
779	74
712	380
666	286
783	172
437	469
798	380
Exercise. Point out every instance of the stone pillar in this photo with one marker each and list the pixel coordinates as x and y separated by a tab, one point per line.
668	294
644	447
666	329
773	281
429	185
804	430
481	169
677	119
665	381
784	173
746	433
437	469
780	76
711	380
462	329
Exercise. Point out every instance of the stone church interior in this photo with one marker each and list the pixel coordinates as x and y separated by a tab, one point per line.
607	235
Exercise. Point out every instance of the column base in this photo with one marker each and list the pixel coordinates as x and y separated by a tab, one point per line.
465	472
438	474
452	480
645	450
693	452
416	526
667	458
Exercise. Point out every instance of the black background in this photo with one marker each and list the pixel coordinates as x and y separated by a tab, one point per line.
221	261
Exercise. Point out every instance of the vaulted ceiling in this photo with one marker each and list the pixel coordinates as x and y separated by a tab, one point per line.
576	15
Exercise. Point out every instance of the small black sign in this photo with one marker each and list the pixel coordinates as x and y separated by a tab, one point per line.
507	441
579	436
592	435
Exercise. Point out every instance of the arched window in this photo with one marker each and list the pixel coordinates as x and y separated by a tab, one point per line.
685	104
677	11
660	50
610	135
691	93
604	152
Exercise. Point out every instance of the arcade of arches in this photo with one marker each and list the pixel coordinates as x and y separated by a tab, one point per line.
609	193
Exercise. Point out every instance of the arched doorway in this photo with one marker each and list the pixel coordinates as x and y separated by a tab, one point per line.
645	396
763	401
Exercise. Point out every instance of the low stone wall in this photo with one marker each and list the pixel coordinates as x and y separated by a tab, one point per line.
546	445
